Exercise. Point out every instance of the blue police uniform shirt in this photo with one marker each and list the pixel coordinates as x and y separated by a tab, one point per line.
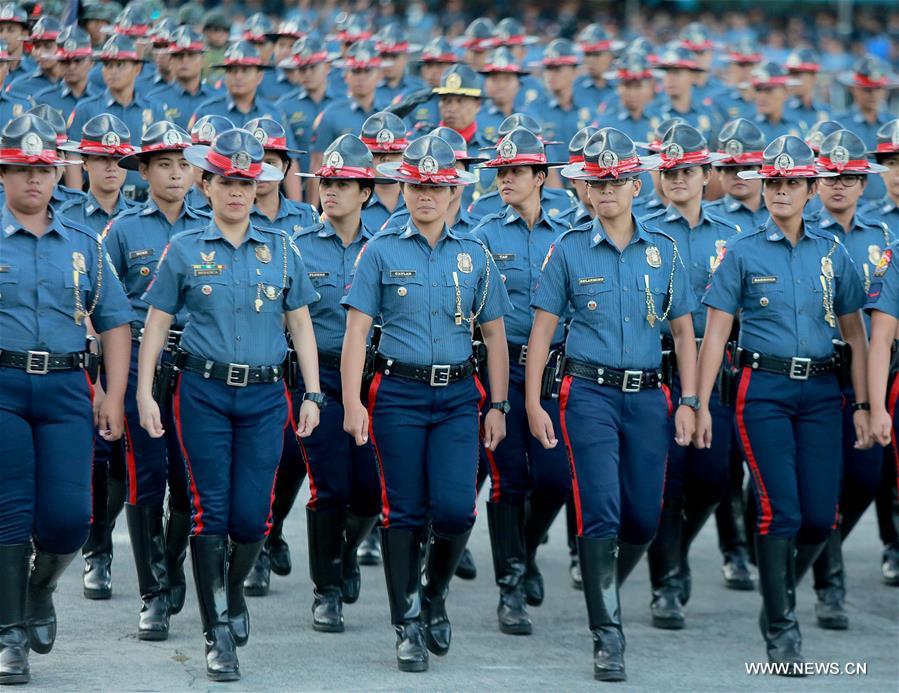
196	200
291	217
885	210
136	241
220	286
554	201
426	116
342	117
222	104
588	95
301	111
61	97
738	213
561	125
26	86
178	104
336	84
883	295
375	215
519	252
578	215
26	66
11	107
490	117
412	287
463	224
386	94
777	289
787	125
531	93
699	248
274	84
807	115
646	204
329	265
707	120
606	289
38	284
88	212
734	105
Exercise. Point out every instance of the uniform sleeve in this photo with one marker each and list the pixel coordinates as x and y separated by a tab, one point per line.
725	290
551	294
165	290
497	304
884	293
849	294
683	300
113	308
365	287
300	292
116	250
322	131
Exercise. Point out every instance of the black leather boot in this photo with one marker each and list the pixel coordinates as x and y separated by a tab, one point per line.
806	555
629	556
736	571
177	530
45	574
694	518
506	524
241	558
733	540
599	558
325	529
369	551
15	561
444	553
777	582
537	522
278	549
97	551
402	569
209	555
148	546
355	530
259	580
830	585
664	558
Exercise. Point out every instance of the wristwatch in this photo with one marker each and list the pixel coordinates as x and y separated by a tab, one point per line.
317	397
691	401
503	406
861	406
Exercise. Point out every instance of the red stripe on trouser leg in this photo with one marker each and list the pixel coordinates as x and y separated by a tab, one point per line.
287	422
765	520
891	403
372	398
670	407
131	463
491	460
563	405
292	422
194	492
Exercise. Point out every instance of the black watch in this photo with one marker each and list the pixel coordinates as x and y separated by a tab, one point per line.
316	397
691	401
861	406
503	406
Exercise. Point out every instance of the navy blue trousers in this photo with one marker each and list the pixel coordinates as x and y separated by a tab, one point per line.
46	453
426	442
862	470
231	439
617	446
791	434
520	465
342	475
152	462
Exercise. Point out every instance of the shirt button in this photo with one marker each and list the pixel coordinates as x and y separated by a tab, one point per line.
436	340
627	319
238	338
433	283
433	312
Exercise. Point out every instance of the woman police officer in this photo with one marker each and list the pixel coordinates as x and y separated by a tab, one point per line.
792	284
54	274
239	282
429	285
622	280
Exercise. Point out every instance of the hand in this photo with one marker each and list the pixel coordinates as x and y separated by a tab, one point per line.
309	418
542	427
355	421
861	419
684	425
99	396
881	424
150	418
702	436
494	429
111	419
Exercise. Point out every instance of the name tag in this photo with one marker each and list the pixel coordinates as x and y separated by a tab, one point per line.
402	274
319	275
503	257
584	281
137	254
764	280
207	272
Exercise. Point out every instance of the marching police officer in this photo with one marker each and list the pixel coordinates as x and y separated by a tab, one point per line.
623	281
502	84
74	55
385	135
10	106
742	142
43	47
582	212
770	82
804	64
681	98
509	33
595	87
429	285
54	274
203	132
15	22
393	46
436	57
239	282
187	90
793	283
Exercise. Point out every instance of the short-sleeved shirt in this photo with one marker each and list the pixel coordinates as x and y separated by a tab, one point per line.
26	86
884	210
519	252
607	292
413	288
329	265
178	104
88	212
788	124
301	111
342	117
738	213
136	240
236	297
560	124
39	277
292	216
707	120
588	94
61	97
375	214
883	294
777	288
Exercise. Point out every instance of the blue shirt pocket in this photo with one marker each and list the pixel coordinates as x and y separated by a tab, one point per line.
9	286
402	291
592	297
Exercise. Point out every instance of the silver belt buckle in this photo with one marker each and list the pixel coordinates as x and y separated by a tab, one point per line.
440	375
800	368
171	341
238	375
37	362
523	355
632	382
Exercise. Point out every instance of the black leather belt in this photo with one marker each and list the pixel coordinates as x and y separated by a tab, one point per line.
171	343
42	362
435	376
329	360
626	380
234	374
795	368
518	353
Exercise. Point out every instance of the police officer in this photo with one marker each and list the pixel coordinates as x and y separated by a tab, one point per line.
55	274
509	33
96	17
43	47
742	142
258	31
14	20
595	87
160	36
502	84
393	46
647	203
74	54
695	479
528	483
793	283
582	212
622	281
10	106
769	83
865	239
886	153
136	240
804	64
478	40
436	57
385	135
634	87
742	57
239	282
696	39
203	132
429	285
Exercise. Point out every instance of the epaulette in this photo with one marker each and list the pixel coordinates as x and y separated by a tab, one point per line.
652	215
312	228
725	222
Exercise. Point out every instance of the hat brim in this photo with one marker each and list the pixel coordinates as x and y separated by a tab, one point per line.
132	161
392	171
724	163
520	72
758	175
494	164
472	92
99	57
872	170
225	66
710	160
196	156
289	64
74	147
879	156
376	180
58	163
847	79
577	171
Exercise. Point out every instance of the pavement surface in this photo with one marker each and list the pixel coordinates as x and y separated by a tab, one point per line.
97	650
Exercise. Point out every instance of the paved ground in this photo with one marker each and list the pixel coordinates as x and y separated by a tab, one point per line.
96	648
